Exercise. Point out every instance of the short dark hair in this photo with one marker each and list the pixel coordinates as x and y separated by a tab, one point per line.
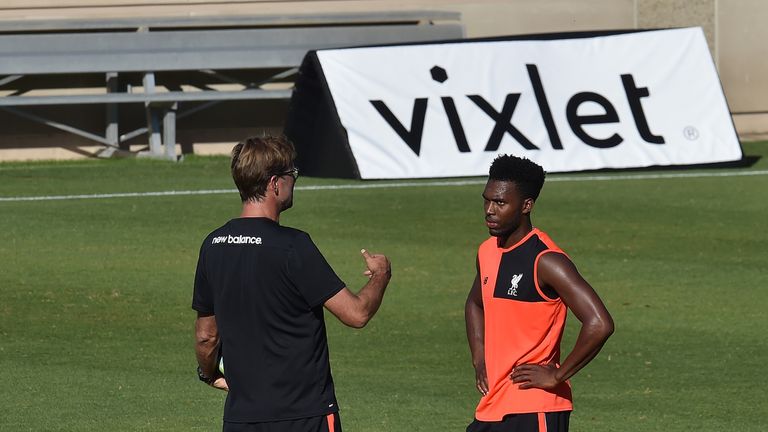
527	175
256	159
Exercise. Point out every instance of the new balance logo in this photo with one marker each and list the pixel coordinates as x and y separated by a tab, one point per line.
513	289
241	239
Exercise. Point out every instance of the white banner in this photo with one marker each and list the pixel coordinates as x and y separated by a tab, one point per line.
447	110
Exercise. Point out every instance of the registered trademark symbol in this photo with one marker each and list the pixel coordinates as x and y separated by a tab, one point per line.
691	133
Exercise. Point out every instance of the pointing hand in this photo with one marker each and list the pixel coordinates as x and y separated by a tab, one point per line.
376	264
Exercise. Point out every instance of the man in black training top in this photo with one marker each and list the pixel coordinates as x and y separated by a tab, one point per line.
259	294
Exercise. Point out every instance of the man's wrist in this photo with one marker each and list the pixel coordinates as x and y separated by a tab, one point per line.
478	362
203	377
559	375
385	274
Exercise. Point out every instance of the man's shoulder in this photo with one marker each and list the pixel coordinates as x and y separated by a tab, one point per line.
298	238
547	243
536	238
490	242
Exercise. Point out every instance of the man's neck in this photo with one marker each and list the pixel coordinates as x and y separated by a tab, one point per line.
514	237
263	209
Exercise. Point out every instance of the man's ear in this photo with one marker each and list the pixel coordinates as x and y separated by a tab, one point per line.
528	205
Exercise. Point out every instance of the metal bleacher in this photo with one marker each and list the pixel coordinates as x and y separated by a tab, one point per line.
165	63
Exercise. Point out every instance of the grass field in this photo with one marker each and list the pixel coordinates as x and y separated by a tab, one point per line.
96	325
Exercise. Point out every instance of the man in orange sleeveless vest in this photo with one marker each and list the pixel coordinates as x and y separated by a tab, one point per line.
515	312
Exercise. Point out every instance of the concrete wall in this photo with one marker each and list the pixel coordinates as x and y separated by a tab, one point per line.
735	30
743	62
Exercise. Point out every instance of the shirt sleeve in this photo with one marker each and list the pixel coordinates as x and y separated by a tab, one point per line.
202	296
311	273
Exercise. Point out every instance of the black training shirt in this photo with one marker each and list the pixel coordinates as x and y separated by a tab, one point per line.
266	285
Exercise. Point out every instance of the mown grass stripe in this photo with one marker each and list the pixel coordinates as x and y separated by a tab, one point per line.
605	177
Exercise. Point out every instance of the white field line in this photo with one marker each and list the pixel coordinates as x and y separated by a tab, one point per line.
605	177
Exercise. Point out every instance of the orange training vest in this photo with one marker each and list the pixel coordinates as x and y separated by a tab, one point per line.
523	324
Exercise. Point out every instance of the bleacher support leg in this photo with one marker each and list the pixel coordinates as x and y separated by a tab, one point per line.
153	122
169	131
112	131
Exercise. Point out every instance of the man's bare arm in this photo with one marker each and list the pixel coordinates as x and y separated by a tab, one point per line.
206	348
355	310
474	316
559	273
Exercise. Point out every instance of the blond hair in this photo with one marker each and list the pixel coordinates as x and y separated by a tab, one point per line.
256	159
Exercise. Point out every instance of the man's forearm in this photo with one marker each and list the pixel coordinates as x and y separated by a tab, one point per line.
473	315
372	294
588	344
206	358
206	344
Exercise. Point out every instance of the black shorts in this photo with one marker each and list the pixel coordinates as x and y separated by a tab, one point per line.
529	422
325	423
